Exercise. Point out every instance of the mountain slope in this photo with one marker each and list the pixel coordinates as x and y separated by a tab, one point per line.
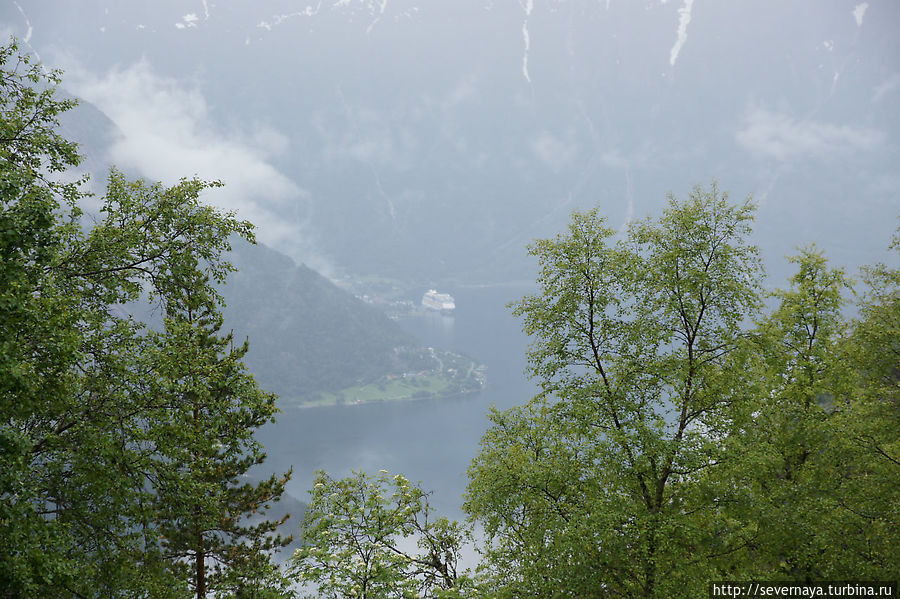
306	334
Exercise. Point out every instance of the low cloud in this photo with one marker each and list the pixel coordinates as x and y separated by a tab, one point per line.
784	138
553	152
167	133
614	159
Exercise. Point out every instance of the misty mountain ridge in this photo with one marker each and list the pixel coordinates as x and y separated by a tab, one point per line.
441	164
307	335
433	141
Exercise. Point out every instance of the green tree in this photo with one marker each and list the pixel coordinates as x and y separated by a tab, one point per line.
207	408
869	421
80	474
39	340
815	471
863	523
374	537
787	449
596	487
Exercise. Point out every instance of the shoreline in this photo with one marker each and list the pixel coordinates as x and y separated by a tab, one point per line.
456	376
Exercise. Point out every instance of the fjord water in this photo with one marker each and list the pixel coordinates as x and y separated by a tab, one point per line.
432	441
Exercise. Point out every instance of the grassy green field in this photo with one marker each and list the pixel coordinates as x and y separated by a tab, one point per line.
460	375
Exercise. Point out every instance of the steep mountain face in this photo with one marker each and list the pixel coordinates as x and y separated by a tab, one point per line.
436	139
306	334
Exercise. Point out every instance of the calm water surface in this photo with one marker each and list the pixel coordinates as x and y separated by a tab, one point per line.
432	441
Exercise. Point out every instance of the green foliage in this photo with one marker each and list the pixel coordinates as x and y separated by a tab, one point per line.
875	345
783	428
867	420
374	536
112	435
812	455
38	339
206	409
585	489
676	441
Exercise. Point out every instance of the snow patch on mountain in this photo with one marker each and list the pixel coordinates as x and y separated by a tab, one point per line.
187	21
29	29
527	40
380	14
684	19
277	20
376	9
528	6
859	12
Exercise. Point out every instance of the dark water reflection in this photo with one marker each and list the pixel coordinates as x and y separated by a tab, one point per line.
432	441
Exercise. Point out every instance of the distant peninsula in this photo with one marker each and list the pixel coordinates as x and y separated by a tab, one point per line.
440	374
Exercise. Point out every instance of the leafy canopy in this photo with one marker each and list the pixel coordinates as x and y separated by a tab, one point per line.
116	439
374	536
682	436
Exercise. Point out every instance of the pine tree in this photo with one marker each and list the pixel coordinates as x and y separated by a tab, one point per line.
208	409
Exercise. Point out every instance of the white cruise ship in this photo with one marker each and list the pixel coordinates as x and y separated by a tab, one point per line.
439	302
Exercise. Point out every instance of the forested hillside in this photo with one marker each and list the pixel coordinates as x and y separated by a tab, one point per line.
308	334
